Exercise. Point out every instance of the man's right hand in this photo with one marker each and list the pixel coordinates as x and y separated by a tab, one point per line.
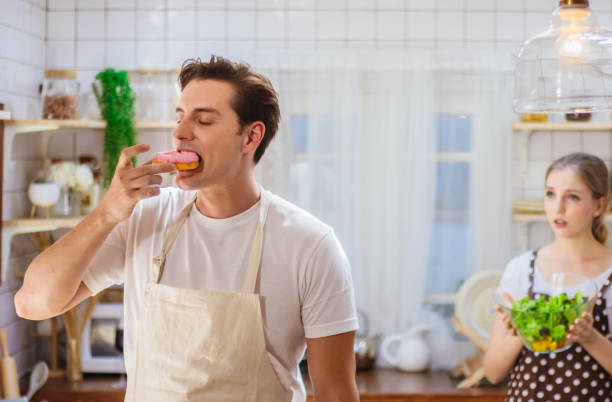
131	184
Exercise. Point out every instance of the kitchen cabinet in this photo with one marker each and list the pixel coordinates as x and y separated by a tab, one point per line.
525	130
45	129
379	385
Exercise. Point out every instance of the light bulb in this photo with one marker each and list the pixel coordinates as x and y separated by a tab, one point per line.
572	48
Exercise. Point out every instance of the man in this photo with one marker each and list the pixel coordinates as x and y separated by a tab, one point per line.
225	284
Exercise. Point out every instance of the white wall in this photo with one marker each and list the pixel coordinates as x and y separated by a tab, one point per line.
22	62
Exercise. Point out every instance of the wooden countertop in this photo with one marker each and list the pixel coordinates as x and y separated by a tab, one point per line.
381	385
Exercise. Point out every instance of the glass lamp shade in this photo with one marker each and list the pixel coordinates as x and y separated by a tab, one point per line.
567	68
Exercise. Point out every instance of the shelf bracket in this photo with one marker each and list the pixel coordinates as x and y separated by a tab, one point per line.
7	236
525	140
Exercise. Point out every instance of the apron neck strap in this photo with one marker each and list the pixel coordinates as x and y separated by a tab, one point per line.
159	262
257	247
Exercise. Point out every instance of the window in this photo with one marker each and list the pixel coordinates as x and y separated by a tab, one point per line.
451	251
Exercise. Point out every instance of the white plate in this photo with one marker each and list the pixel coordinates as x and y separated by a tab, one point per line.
475	302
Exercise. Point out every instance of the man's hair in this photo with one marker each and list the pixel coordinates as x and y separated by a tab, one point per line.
255	100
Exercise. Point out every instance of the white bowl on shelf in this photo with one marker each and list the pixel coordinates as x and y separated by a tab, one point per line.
43	194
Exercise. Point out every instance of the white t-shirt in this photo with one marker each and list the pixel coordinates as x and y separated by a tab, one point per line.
515	281
305	278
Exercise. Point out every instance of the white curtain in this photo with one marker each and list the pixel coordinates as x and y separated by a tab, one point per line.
367	164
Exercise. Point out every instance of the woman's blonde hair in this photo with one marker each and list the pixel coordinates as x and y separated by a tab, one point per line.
594	174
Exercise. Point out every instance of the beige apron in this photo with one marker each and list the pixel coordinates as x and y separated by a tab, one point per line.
196	345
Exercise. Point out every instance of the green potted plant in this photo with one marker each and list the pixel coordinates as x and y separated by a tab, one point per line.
116	102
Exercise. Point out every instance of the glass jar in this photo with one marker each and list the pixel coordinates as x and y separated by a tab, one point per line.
174	92
150	89
60	94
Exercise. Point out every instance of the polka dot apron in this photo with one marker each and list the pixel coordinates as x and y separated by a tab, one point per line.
571	375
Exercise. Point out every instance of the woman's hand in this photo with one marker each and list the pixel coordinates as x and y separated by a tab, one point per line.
506	320
582	331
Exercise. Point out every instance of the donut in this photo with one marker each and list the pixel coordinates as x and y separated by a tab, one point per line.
183	160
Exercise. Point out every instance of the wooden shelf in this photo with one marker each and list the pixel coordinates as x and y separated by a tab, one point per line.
56	124
14	227
36	223
527	218
569	126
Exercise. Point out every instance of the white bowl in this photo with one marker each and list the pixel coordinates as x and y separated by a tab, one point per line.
43	194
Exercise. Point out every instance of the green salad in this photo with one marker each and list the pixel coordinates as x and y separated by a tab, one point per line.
544	323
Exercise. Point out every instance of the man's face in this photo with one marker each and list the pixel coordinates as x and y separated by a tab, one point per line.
209	126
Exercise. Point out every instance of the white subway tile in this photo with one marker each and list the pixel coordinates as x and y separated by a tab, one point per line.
597	143
330	5
447	5
480	5
271	25
27	147
510	26
179	51
150	54
506	5
10	13
241	4
60	55
91	143
420	5
301	25
360	44
360	25
26	358
60	25
60	4
181	25
301	4
205	49
420	25
151	5
38	22
243	51
90	54
241	25
390	4
23	173
536	23
301	45
211	4
149	25
121	55
90	25
450	26
566	142
271	4
331	44
211	25
389	25
480	26
120	4
271	45
90	4
361	5
534	177
540	146
540	5
121	25
330	25
181	5
15	205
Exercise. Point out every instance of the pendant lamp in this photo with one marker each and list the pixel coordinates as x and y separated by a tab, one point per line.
567	68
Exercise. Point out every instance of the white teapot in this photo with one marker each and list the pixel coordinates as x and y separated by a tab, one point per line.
412	353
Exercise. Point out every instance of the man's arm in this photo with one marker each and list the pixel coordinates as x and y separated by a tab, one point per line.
53	281
331	365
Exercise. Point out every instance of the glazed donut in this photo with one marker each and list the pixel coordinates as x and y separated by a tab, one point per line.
183	160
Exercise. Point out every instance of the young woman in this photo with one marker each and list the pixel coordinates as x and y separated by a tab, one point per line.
575	203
